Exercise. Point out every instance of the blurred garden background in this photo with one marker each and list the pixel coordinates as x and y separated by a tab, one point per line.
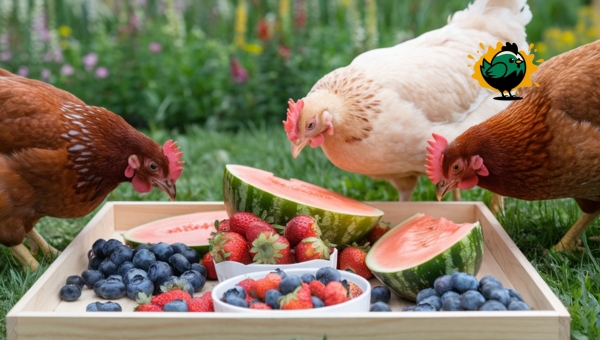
216	75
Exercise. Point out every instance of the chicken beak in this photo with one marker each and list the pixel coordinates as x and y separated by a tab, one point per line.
167	187
297	147
443	187
518	61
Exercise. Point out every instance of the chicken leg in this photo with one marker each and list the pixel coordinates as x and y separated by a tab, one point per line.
21	253
497	203
405	186
38	241
569	242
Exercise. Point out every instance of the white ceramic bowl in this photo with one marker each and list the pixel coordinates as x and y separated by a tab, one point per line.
228	269
361	303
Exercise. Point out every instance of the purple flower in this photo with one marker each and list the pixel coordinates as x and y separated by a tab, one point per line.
46	75
155	47
5	56
90	60
23	71
67	70
54	55
134	21
238	73
101	72
4	38
39	27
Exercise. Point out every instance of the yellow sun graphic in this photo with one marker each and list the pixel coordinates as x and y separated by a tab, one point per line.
489	55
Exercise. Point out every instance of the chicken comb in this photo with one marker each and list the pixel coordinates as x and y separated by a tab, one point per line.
171	151
435	158
293	113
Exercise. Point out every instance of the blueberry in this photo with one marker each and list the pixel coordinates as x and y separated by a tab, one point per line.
236	301
433	300
90	277
451	303
462	282
124	268
380	293
159	272
110	246
109	306
272	298
489	278
94	262
176	306
93	307
317	303
137	284
280	272
235	292
307	278
442	284
409	309
380	306
425	307
200	269
97	286
471	300
196	280
178	247
111	289
133	272
107	268
514	295
492	305
121	254
162	251
518	305
140	247
498	294
485	289
191	255
328	274
75	280
423	294
115	277
97	248
70	292
179	263
448	294
289	284
143	259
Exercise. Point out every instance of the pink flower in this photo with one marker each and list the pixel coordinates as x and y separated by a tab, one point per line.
46	75
67	70
54	55
5	56
4	38
90	60
155	47
23	71
101	72
134	21
238	73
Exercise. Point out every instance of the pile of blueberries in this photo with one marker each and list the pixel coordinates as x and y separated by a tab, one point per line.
463	292
115	270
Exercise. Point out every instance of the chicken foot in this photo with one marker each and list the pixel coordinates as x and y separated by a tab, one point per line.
497	203
21	253
569	242
38	241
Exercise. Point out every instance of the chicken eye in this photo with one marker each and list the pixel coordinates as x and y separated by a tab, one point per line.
311	125
153	166
456	167
511	60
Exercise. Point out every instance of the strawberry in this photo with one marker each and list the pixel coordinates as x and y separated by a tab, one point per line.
203	303
375	234
301	227
207	262
352	259
230	246
246	284
171	292
354	290
335	293
317	288
257	227
298	299
311	248
144	304
239	221
271	248
223	226
259	305
260	287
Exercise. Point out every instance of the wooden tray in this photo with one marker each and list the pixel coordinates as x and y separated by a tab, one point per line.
40	314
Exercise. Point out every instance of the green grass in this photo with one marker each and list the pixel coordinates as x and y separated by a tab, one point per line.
534	226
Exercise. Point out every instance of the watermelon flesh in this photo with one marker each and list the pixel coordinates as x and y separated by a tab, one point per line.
342	220
409	257
192	230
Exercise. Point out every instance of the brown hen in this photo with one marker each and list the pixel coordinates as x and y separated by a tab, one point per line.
545	146
60	157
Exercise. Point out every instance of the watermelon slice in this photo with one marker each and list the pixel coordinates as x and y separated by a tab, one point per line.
410	256
342	220
190	229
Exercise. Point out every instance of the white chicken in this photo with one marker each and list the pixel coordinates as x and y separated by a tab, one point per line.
375	116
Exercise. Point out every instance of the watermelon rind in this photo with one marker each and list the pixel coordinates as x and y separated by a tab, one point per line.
339	228
466	256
